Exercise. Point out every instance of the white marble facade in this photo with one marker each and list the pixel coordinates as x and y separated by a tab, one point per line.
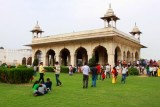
108	44
14	57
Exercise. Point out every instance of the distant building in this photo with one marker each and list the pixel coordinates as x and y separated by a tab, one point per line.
107	44
14	57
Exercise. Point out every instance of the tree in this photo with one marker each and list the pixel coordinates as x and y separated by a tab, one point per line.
92	61
35	62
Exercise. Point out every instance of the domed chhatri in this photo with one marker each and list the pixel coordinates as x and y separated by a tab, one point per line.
110	17
36	31
136	32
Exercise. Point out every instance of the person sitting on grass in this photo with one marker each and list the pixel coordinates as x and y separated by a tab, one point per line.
35	89
42	88
48	84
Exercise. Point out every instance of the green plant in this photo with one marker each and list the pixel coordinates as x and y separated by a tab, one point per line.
64	69
21	66
4	65
92	61
16	75
49	69
133	71
35	62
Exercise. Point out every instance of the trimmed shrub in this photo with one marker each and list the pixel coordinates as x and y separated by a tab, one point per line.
21	66
133	71
64	69
49	69
16	75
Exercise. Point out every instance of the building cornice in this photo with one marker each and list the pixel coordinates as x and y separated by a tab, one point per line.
77	36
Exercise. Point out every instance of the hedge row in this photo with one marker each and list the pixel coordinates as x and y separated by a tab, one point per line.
64	69
16	75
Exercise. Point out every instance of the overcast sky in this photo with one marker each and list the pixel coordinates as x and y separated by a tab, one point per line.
18	17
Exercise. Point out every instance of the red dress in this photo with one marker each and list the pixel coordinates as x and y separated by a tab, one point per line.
103	75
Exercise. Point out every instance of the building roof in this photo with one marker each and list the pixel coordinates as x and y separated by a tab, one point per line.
90	34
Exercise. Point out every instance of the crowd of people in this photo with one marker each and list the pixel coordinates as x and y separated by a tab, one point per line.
97	71
40	87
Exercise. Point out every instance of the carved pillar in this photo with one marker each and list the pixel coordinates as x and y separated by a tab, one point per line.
57	56
44	57
72	59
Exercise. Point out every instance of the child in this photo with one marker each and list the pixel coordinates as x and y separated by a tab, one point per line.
103	74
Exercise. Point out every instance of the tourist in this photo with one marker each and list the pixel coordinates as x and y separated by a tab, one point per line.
94	72
154	70
107	72
57	72
151	70
99	71
35	89
85	70
124	73
48	84
42	88
158	71
35	70
114	75
103	74
41	72
70	70
147	70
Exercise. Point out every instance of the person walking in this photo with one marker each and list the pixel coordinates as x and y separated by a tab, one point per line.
41	72
158	71
94	71
57	72
107	71
124	73
85	70
114	75
99	71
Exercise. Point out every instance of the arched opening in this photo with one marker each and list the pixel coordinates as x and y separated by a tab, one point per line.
50	58
128	56
132	58
24	61
65	57
38	55
29	61
124	55
136	56
101	55
81	56
117	55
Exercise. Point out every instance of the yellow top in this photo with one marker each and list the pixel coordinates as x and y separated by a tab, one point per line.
41	69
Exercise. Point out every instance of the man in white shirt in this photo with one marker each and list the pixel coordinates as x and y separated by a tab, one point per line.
107	71
124	73
85	69
57	72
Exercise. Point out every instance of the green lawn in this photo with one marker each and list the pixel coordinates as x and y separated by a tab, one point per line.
137	92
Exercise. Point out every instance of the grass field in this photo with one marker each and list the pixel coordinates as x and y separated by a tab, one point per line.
137	92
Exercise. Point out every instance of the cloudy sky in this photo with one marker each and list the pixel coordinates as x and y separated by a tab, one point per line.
18	17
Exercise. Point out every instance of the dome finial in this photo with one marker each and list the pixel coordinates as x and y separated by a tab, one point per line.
135	23
110	5
37	22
